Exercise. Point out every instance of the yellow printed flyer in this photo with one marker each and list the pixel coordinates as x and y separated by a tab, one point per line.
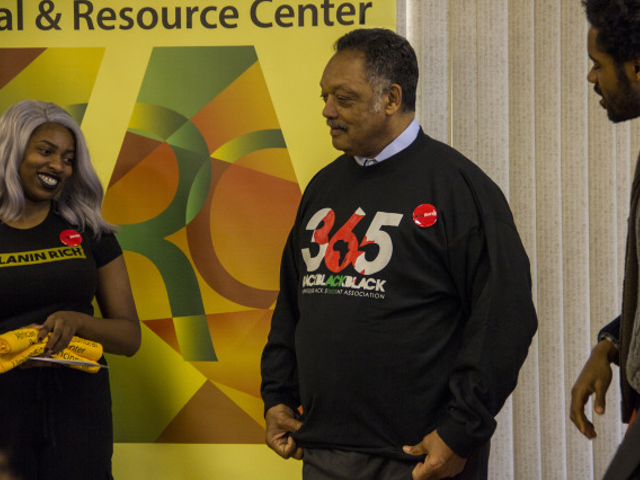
203	119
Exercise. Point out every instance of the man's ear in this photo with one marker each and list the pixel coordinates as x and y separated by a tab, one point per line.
394	99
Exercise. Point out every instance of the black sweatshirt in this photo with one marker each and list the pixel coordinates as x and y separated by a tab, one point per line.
405	305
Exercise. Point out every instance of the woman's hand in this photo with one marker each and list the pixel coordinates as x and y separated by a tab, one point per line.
62	325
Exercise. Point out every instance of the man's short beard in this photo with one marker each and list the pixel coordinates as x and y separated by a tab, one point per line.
627	99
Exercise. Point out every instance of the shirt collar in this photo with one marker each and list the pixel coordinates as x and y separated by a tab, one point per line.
401	142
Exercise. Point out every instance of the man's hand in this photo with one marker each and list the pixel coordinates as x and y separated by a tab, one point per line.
594	378
440	461
281	421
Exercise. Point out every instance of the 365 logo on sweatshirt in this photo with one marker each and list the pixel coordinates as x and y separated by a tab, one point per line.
321	224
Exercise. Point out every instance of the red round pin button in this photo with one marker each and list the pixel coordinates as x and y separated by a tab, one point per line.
71	238
425	215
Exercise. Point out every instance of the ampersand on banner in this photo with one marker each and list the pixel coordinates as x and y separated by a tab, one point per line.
45	21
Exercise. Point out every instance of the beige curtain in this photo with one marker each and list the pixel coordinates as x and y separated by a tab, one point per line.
504	82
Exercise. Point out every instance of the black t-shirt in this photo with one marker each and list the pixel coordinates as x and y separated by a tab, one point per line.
48	268
54	411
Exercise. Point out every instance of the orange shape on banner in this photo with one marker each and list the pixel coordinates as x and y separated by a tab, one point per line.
15	60
211	417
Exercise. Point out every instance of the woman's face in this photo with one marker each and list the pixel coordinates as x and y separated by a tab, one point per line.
47	163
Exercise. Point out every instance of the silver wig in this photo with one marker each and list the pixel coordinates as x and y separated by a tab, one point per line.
81	198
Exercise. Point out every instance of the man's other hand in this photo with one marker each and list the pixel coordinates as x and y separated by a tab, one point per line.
595	378
440	461
281	422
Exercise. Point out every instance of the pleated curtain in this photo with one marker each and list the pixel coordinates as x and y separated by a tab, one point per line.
504	82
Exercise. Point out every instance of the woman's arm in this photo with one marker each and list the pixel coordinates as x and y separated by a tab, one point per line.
118	330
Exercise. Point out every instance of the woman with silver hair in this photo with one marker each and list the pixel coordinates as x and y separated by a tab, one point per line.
56	254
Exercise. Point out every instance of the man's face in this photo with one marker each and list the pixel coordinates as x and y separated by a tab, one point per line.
354	110
616	84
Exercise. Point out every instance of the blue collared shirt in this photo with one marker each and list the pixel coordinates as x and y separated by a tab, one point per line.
401	142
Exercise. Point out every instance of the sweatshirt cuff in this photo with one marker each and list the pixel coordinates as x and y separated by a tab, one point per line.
272	401
454	435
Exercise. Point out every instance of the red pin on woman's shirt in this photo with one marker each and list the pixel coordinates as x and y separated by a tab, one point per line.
70	238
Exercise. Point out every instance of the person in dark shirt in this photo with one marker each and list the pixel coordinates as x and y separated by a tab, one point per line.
405	310
614	47
57	254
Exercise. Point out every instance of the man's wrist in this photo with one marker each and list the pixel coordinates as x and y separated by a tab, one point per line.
607	348
611	336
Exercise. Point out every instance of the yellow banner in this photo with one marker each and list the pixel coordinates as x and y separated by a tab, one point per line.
204	122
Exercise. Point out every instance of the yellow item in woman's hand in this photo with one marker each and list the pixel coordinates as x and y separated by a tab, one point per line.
85	348
12	360
67	354
17	346
18	340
